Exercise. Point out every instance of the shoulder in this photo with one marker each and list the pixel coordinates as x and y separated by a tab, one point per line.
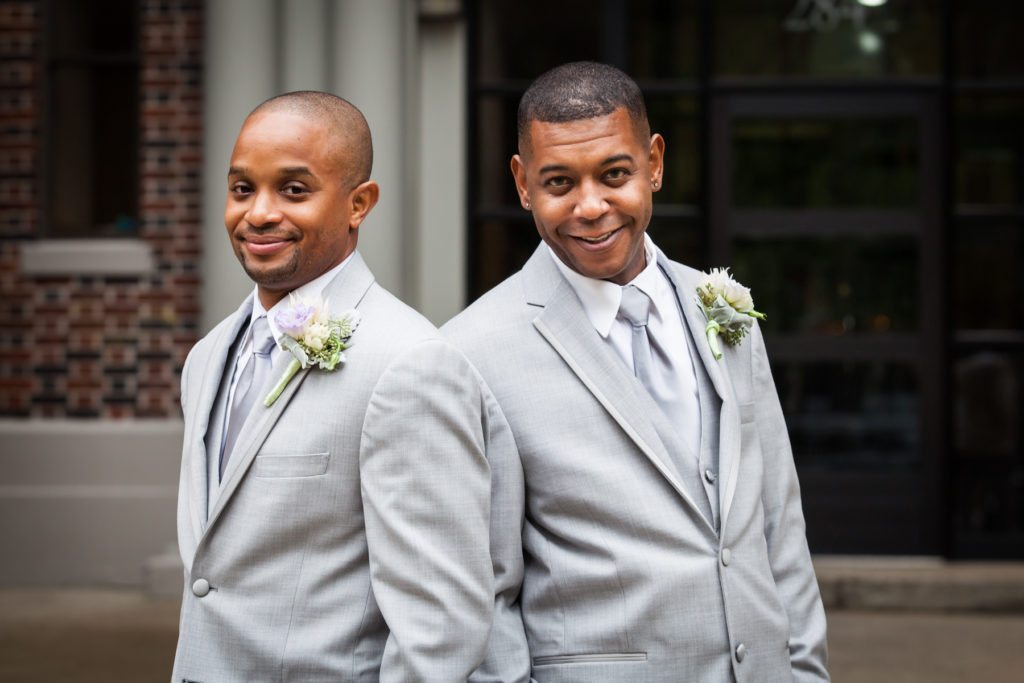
392	324
212	339
495	315
684	274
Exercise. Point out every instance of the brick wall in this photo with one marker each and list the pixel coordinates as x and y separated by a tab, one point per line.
94	346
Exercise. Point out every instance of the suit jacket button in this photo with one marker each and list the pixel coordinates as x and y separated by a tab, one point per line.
710	476
726	556
200	588
741	652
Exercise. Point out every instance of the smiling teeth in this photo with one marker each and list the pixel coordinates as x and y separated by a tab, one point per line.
599	238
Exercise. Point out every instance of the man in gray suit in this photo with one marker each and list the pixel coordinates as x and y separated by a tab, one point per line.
662	537
334	525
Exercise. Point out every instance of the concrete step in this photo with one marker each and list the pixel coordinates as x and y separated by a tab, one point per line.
920	584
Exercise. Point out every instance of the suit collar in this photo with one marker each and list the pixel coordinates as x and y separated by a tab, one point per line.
345	292
566	327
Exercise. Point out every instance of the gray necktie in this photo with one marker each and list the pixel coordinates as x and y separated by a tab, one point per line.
250	382
650	366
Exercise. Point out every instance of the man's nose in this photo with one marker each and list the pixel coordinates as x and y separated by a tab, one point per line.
263	210
591	203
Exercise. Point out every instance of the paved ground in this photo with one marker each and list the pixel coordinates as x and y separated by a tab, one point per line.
93	636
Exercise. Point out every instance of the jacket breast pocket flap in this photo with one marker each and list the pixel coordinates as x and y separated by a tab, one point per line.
281	466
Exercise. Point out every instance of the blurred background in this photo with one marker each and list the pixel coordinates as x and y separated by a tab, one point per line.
858	163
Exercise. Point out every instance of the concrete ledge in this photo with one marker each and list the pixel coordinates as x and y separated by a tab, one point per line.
920	585
163	575
86	502
123	257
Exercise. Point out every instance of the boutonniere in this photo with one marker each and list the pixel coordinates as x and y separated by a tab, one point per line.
312	337
728	307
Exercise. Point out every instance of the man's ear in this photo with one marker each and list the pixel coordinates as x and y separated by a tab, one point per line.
363	198
656	161
519	173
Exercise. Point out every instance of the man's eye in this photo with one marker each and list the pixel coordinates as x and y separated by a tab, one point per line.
294	189
557	181
240	188
616	174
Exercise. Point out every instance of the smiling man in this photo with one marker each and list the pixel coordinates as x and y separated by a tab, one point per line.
646	518
332	522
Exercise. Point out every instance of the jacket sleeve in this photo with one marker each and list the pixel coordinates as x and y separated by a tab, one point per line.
785	530
508	656
425	486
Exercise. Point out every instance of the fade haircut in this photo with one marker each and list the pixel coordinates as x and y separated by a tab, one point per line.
343	119
577	91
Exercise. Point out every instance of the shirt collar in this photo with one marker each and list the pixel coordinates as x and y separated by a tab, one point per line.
601	298
311	290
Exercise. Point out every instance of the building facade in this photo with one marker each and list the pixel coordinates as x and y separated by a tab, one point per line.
859	164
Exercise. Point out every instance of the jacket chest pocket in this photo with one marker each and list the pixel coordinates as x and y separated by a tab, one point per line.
270	466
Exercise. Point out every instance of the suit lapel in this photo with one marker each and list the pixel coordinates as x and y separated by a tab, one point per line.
685	283
564	324
343	293
212	370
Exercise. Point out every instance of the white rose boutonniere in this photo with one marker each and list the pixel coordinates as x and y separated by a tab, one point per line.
312	337
728	307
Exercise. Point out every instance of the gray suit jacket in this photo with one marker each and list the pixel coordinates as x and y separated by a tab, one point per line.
631	564
349	540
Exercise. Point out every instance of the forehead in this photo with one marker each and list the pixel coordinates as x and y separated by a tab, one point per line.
573	139
284	139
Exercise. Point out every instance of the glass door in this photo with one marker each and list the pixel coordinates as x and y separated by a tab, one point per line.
827	207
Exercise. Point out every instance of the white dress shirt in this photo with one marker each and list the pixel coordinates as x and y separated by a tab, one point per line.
601	300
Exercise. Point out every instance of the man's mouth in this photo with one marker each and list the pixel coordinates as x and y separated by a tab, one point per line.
597	239
263	245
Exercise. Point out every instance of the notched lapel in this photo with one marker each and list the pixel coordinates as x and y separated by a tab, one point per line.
718	372
255	430
200	410
565	326
345	292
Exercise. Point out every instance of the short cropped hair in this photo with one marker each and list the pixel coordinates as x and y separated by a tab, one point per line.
577	91
341	116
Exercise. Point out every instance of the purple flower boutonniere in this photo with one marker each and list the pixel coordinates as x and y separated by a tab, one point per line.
312	337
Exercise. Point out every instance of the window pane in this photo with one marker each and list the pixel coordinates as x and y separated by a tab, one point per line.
850	415
825	162
502	249
495	145
988	39
93	152
988	411
990	158
662	39
842	38
100	27
680	239
832	287
675	117
988	276
521	40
